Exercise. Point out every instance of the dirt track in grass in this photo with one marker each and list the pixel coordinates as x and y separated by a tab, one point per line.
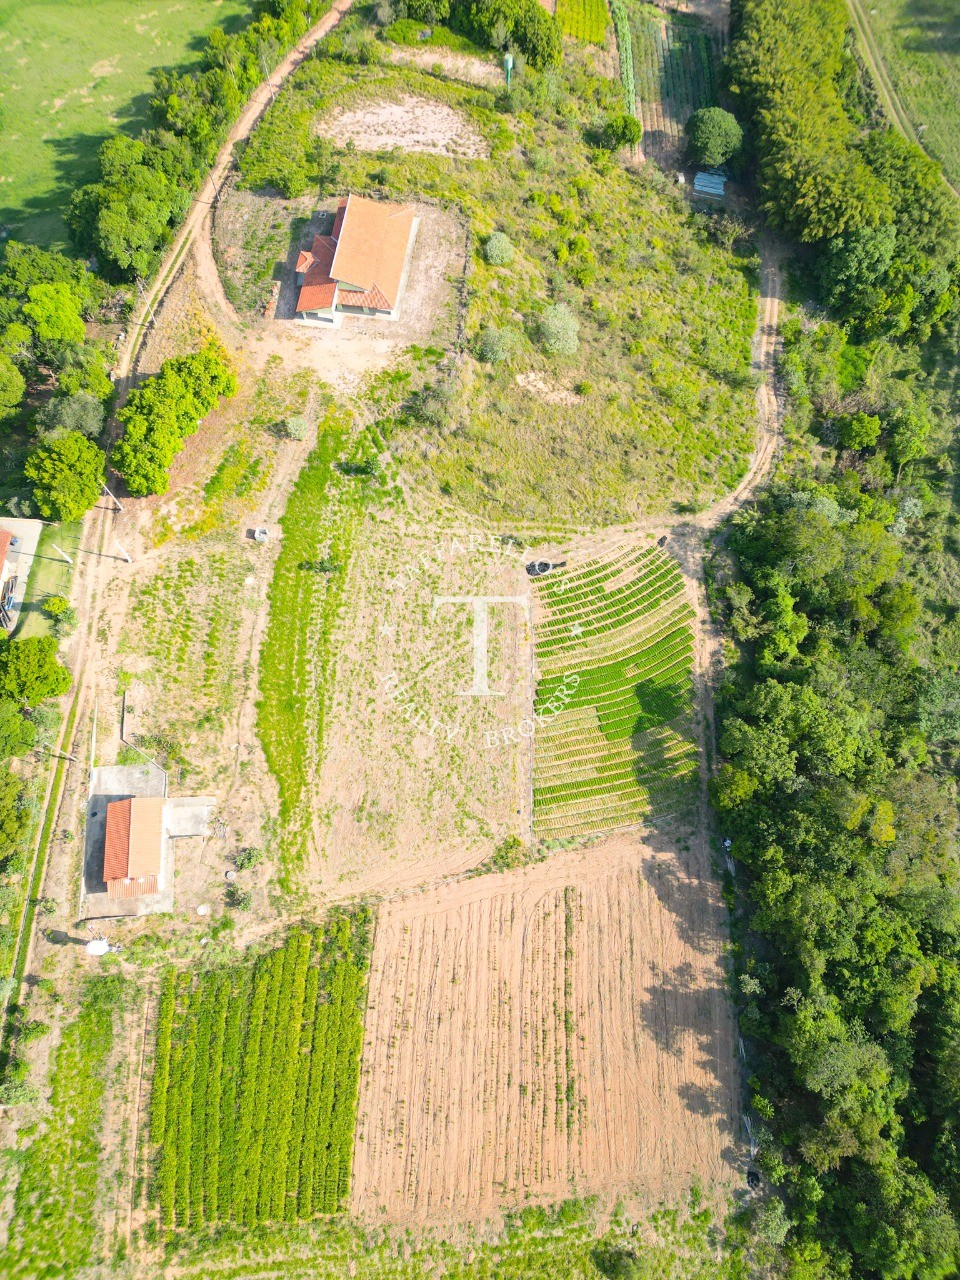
560	1028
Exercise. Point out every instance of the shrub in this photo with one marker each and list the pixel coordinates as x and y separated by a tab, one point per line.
496	346
497	249
17	734
429	11
524	23
53	606
164	410
621	130
29	670
858	431
296	427
247	858
238	898
714	135
81	412
559	331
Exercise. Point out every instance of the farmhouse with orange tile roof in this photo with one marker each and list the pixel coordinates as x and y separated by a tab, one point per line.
361	267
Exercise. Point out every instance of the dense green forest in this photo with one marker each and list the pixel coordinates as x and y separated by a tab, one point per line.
839	722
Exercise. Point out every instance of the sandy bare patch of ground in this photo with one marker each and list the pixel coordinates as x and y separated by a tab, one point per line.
716	12
561	1028
456	66
546	390
410	123
420	776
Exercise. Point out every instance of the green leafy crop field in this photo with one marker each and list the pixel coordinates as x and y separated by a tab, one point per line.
615	652
674	66
56	1196
72	72
255	1081
920	45
583	19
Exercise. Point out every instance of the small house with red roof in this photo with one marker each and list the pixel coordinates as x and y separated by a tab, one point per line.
133	847
361	267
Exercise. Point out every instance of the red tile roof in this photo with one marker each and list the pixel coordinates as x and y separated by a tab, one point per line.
367	248
318	289
133	846
364	298
146	836
338	220
5	539
116	849
132	888
372	246
319	254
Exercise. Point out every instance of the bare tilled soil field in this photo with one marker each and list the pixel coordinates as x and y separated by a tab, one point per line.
562	1027
413	123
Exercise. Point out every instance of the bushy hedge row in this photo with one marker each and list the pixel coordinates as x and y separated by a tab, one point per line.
163	411
146	183
255	1082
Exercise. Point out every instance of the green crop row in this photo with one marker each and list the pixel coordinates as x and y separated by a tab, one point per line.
558	587
620	609
610	758
621	23
614	603
583	19
676	60
305	594
255	1082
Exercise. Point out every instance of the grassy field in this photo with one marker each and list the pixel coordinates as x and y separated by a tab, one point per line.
663	417
255	1082
615	650
54	1230
919	42
50	575
565	1242
73	72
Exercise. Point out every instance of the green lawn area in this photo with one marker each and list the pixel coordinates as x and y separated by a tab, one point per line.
50	575
72	72
920	43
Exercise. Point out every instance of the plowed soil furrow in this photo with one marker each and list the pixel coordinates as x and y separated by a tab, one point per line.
504	1096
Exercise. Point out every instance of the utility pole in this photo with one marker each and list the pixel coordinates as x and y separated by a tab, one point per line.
114	497
62	552
123	552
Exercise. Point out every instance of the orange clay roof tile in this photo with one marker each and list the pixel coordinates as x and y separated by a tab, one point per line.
372	246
